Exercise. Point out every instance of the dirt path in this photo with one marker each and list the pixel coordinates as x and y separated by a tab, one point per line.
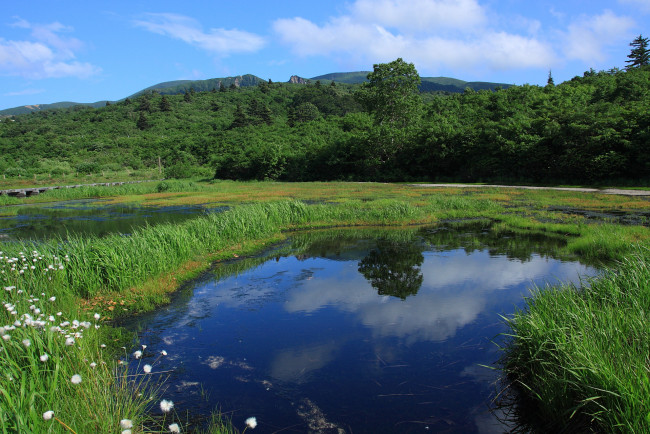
585	190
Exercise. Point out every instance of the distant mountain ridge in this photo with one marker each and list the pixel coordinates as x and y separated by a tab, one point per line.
429	84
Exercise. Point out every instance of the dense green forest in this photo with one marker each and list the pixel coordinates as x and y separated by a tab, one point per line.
592	129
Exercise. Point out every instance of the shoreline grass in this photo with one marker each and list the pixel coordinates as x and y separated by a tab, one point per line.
579	354
143	269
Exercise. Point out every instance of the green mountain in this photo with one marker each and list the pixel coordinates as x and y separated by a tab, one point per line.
40	107
343	77
182	86
429	84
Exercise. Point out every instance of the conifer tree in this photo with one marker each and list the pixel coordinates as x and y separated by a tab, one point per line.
165	106
145	105
240	120
550	81
143	122
640	54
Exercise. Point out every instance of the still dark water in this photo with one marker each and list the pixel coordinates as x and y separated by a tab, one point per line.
352	331
86	217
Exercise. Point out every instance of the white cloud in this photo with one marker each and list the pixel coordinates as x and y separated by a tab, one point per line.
456	289
46	55
408	15
294	364
217	41
586	38
431	34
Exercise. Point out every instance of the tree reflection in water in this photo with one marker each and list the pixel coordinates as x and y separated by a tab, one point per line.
393	268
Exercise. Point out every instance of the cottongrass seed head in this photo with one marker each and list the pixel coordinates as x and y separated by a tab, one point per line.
166	406
251	422
174	428
48	415
126	424
76	379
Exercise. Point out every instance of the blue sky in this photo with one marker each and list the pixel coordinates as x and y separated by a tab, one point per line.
86	51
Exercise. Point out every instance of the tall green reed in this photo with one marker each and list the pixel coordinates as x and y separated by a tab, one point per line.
579	354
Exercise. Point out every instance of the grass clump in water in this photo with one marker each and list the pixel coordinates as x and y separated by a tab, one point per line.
580	355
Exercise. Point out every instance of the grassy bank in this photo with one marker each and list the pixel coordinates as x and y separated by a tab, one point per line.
118	275
579	355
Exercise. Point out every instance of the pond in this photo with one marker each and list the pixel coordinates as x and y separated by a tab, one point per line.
352	330
86	217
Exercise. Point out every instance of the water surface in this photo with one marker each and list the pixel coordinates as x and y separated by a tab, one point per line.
346	331
86	217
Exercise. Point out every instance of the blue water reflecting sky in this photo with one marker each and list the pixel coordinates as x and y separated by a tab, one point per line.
307	343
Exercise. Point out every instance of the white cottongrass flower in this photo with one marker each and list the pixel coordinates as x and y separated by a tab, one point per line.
163	352
48	415
44	357
52	298
93	365
126	431
96	316
174	428
166	406
6	337
147	369
76	379
69	342
126	424
144	347
137	354
26	342
251	422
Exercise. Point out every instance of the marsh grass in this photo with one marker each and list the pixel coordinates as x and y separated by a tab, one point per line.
121	267
579	354
56	376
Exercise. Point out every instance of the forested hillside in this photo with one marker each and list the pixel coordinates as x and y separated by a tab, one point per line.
592	129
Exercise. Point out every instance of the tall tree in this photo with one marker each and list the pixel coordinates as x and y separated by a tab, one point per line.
392	96
550	81
391	93
640	54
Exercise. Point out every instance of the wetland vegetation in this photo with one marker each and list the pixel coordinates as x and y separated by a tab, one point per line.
116	277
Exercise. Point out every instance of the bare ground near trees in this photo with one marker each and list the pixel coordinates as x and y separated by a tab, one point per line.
526	187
